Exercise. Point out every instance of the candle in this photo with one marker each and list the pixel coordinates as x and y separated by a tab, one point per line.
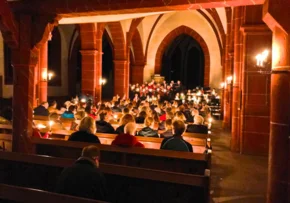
50	124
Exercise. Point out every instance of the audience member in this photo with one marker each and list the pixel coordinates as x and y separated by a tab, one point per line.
84	178
197	126
103	126
86	133
128	138
41	110
147	131
70	113
124	120
176	142
168	127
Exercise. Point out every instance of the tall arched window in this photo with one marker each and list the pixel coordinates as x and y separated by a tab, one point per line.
183	60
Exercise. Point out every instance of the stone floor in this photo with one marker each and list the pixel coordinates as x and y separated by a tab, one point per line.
235	178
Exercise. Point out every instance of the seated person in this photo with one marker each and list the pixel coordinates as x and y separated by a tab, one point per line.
126	111
124	120
70	113
197	126
141	117
116	108
86	133
168	127
41	110
176	142
103	126
84	178
128	139
148	130
53	108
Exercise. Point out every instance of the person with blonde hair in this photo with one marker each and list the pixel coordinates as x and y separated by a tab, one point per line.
148	131
128	139
84	179
179	116
127	118
86	133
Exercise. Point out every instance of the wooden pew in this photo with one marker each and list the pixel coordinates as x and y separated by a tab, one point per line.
125	184
24	195
183	162
5	137
149	142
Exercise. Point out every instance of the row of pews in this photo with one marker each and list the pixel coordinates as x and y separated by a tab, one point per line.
133	174
124	183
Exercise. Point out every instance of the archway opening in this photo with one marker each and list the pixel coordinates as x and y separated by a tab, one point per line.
107	68
183	60
54	58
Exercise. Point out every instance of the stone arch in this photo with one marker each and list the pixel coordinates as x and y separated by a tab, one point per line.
139	57
171	36
118	40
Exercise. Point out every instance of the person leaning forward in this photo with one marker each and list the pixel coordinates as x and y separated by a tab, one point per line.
84	178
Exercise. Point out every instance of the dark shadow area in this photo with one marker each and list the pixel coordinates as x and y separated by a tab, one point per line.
54	58
184	60
107	68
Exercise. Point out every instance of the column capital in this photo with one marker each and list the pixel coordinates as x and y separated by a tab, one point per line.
89	52
255	29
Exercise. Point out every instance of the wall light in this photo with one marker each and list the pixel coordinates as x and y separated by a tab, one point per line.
222	85
102	81
46	75
262	58
229	79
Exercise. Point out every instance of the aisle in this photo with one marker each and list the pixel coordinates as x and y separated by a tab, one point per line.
236	178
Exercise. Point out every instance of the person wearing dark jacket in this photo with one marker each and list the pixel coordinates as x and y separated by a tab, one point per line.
124	120
168	127
84	178
86	132
116	108
148	131
127	139
176	142
141	117
198	126
41	110
103	126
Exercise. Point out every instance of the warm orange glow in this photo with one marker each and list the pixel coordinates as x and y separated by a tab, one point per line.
261	58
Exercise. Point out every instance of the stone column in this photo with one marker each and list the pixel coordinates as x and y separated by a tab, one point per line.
23	87
137	73
227	72
121	74
255	84
235	141
278	168
89	80
43	63
91	45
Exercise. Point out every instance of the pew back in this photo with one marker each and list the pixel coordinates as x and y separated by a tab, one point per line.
125	184
149	142
23	195
183	162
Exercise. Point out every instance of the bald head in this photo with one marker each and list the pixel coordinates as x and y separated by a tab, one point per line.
130	128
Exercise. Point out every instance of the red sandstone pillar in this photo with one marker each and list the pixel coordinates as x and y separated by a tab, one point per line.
235	141
137	72
279	117
23	87
227	72
121	74
89	80
36	91
43	63
91	43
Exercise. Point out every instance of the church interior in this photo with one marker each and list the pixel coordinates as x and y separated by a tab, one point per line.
215	74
